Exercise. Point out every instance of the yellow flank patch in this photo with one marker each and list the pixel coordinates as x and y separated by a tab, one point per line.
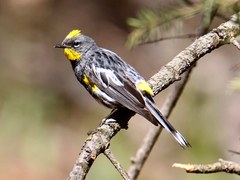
94	88
73	33
143	86
71	54
85	80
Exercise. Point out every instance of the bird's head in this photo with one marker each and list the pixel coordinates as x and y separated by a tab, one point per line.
75	45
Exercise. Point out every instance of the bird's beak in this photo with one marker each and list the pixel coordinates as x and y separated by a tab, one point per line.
59	46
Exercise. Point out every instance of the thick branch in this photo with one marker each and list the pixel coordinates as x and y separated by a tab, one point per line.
99	139
220	166
201	46
97	142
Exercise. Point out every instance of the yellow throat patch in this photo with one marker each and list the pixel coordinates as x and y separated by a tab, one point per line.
143	86
71	54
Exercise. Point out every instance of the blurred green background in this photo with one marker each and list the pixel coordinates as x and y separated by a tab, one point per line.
45	114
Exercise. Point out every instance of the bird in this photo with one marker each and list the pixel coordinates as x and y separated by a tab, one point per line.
112	81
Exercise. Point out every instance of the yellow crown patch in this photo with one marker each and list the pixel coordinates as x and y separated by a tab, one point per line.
73	33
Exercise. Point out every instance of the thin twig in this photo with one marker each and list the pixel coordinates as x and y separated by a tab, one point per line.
185	36
234	152
223	17
116	164
220	166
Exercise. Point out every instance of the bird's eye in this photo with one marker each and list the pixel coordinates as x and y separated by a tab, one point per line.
76	44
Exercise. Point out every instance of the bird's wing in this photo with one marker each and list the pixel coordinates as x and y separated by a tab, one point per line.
119	88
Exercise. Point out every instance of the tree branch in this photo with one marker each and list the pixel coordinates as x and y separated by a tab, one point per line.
200	47
99	139
220	166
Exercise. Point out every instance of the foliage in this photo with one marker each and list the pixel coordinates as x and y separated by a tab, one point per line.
151	25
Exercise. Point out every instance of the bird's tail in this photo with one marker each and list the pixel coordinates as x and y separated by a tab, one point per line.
166	124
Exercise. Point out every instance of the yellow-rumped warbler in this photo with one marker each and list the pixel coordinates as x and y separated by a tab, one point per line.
112	81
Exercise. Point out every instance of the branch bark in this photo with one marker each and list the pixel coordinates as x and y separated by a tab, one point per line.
220	166
98	140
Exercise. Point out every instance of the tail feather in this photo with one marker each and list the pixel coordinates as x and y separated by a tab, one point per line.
180	139
166	124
